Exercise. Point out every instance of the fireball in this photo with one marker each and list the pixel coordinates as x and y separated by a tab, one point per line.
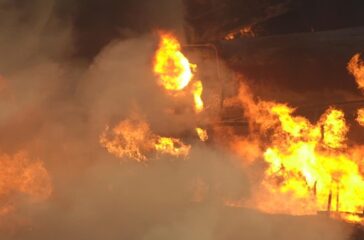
170	65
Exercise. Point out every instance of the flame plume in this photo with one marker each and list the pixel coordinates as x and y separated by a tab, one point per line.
171	67
174	70
306	163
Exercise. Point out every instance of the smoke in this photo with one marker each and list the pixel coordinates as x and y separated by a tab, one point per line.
54	108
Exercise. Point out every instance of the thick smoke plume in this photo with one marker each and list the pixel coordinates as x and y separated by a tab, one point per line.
54	107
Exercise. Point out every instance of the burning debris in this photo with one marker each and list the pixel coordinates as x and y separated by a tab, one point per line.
132	138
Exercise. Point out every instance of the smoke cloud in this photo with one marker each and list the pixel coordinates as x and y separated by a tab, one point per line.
54	107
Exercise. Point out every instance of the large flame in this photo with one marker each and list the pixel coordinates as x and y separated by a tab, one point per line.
174	70
310	167
171	66
133	138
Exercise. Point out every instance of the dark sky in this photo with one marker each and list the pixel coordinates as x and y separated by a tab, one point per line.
97	22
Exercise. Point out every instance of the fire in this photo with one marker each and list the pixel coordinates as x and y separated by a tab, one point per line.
133	138
246	31
352	218
19	174
305	158
310	166
171	66
202	134
130	138
197	93
174	70
172	146
360	117
356	68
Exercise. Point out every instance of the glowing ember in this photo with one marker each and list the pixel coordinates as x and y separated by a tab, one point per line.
202	134
171	66
133	139
246	31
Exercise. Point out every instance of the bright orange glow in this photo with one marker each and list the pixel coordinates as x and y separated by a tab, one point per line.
197	93
172	146
130	138
21	175
356	68
360	116
174	70
133	139
202	134
352	218
171	66
306	162
334	128
246	31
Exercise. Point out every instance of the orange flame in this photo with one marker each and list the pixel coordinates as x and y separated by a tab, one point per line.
307	164
133	139
202	134
246	31
360	116
21	175
175	71
197	93
171	66
356	68
128	139
172	146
